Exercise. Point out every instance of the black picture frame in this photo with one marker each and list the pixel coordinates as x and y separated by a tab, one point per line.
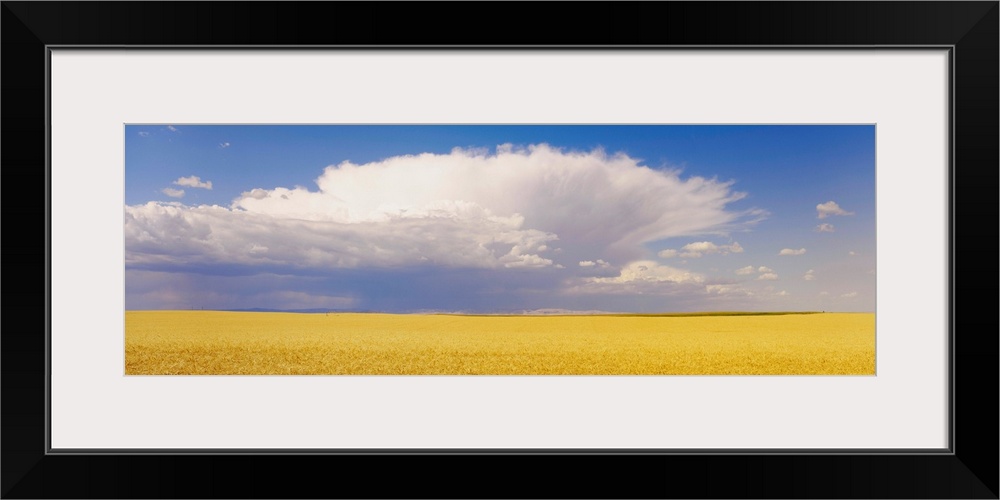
969	470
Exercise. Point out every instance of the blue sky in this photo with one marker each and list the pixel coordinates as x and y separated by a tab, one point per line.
500	218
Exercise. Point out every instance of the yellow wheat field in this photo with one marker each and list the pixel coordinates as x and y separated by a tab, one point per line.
254	343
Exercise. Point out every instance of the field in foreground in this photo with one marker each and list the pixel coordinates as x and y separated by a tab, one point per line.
254	343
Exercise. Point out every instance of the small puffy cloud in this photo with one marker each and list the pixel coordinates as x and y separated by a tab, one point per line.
193	181
728	289
224	145
764	273
783	293
700	248
256	194
668	253
172	128
824	210
852	253
650	271
173	193
809	276
657	282
589	263
143	134
644	277
849	295
515	259
790	251
825	228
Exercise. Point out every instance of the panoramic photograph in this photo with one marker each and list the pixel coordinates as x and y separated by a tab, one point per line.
499	249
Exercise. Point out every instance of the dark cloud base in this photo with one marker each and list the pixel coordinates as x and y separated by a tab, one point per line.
387	290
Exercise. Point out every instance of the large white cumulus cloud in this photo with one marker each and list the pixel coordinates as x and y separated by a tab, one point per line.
532	207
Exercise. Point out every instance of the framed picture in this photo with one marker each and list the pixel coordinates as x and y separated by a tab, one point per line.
499	197
413	256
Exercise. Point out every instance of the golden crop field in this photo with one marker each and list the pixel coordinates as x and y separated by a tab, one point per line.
256	343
